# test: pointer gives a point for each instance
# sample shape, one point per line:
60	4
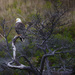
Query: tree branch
21	66
43	60
27	61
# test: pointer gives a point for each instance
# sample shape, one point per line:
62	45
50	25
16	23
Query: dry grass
19	8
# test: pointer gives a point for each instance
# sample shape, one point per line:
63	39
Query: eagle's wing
20	29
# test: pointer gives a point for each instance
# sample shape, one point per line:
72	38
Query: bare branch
2	36
43	60
9	31
21	66
27	60
13	45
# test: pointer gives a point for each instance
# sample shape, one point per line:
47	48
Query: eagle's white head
18	20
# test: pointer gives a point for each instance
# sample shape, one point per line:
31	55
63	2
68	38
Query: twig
2	36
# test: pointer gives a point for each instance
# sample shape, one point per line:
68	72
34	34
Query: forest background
28	10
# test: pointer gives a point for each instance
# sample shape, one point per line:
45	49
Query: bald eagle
20	28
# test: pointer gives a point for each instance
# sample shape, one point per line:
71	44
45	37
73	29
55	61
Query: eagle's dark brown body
20	29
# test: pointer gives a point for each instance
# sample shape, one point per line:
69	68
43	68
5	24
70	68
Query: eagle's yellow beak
16	20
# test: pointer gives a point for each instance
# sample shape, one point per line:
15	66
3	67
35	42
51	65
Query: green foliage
53	60
72	29
15	4
38	55
58	1
19	11
22	61
1	29
1	19
48	4
11	35
2	53
68	55
68	36
13	72
34	16
10	38
65	36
